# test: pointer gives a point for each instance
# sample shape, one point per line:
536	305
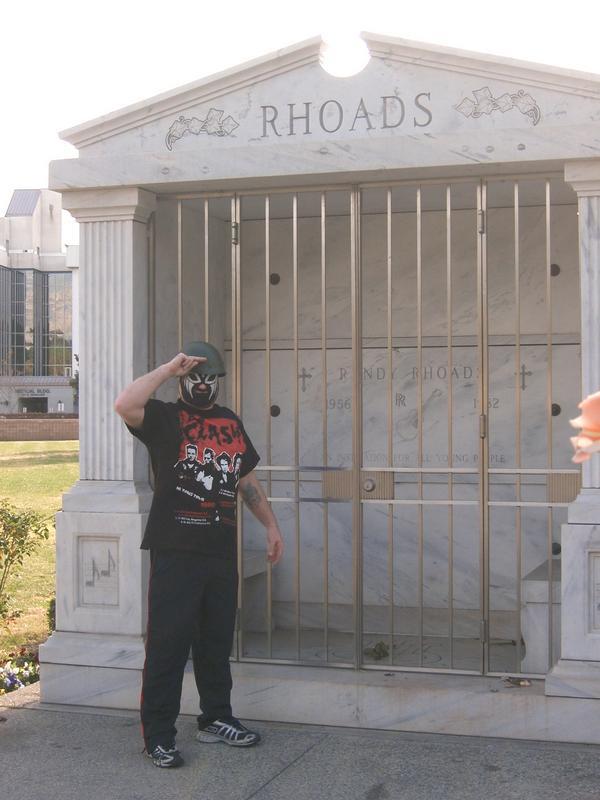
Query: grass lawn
34	475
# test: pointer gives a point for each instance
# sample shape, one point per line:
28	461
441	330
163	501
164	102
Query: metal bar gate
405	358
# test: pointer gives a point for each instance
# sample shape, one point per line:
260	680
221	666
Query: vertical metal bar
450	415
420	415
179	276
390	420
206	273
357	421
324	398
549	389
483	441
268	428
233	256
518	463
236	399
237	249
550	589
296	409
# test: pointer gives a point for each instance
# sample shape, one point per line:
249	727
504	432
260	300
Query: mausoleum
402	270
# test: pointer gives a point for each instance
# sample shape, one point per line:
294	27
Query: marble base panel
91	669
401	701
580	636
585	510
102	575
90	686
574	679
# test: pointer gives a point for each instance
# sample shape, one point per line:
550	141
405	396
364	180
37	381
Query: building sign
330	116
306	118
406	112
23	393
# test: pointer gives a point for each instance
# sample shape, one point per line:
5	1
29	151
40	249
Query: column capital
100	205
584	176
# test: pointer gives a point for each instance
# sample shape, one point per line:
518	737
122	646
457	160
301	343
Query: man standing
192	595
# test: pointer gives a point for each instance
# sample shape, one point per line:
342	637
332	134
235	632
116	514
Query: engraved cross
303	376
524	373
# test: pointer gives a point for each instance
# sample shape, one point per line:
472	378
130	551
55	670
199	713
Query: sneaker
230	730
167	756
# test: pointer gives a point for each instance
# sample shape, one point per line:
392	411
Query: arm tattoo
251	496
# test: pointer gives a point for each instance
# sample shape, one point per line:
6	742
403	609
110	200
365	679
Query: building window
35	323
18	323
57	356
5	321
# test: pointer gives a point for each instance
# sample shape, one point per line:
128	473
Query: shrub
21	531
21	669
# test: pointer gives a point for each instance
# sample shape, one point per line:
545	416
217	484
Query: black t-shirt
197	459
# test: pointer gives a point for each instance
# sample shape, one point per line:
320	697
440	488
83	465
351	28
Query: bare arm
257	502
130	403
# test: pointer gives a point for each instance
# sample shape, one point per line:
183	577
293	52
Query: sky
66	62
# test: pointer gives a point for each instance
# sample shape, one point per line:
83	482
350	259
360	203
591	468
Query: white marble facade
415	114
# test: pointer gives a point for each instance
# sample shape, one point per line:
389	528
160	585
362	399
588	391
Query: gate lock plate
375	485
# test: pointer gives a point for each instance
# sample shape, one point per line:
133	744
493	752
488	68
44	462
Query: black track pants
192	601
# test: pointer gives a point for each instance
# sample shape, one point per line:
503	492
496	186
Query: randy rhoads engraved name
330	116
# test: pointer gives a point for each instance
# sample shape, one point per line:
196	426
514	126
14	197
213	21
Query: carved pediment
413	106
406	89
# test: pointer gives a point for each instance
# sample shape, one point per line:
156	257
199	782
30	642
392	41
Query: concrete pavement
55	753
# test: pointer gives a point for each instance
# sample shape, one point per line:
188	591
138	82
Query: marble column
96	652
577	674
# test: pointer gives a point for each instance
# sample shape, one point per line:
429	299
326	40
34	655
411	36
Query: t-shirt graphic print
211	454
197	459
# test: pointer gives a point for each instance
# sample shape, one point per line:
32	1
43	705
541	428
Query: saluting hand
130	404
182	364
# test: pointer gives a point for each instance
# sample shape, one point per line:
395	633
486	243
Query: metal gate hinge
483	631
483	426
235	233
481	221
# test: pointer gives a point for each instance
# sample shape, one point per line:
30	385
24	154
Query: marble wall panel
501	271
431	375
465	453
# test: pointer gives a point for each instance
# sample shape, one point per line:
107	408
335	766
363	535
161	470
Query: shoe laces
232	721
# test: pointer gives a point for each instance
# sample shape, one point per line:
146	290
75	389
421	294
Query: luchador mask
199	390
